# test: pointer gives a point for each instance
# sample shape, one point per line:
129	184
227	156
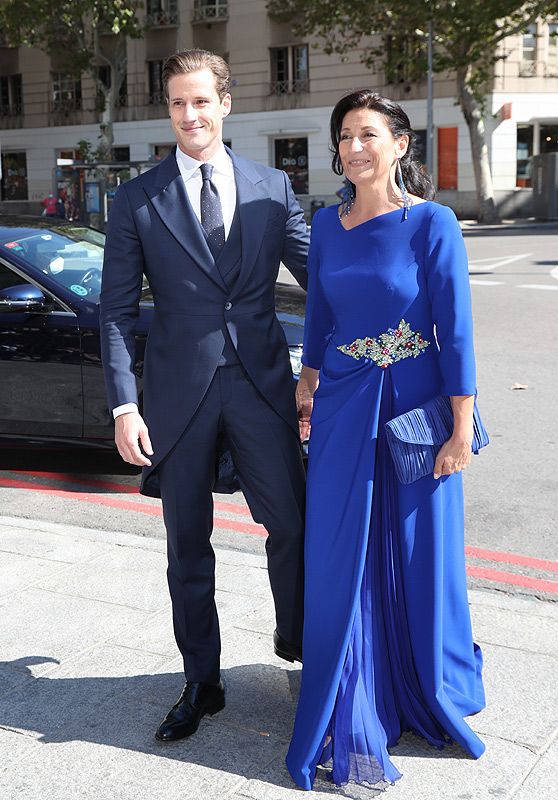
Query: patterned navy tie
211	212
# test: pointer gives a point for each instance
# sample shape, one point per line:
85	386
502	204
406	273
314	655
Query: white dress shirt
223	180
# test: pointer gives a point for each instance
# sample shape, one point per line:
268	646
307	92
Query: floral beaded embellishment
389	347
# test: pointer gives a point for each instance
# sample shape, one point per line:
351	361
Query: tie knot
206	171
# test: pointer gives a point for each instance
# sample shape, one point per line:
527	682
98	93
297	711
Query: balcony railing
528	69
301	86
163	19
156	99
11	110
65	105
217	11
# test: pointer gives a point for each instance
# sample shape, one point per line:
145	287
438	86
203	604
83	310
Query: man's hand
305	389
129	432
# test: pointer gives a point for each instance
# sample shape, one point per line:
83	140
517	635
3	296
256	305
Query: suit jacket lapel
170	200
253	207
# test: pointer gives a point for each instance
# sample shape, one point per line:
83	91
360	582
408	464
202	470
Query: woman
387	638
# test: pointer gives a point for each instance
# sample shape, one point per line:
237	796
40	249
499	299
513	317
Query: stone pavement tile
246	580
14	747
261	688
510	628
155	635
260	619
135	578
428	774
17	572
35	542
40	628
522	696
542	783
530	606
237	558
200	769
68	703
233	607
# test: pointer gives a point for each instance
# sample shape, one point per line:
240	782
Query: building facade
283	92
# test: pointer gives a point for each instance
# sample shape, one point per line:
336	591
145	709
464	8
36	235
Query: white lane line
494	263
554	273
476	282
537	286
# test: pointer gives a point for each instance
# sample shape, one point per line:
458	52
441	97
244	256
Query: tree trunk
473	113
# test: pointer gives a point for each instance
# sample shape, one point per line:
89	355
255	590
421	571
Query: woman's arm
455	454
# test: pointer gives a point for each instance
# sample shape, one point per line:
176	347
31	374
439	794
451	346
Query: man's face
197	113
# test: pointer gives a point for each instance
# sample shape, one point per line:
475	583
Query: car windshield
71	255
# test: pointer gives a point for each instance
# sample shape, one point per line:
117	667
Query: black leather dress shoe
286	650
196	700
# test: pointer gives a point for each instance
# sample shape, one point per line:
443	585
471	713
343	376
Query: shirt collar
187	165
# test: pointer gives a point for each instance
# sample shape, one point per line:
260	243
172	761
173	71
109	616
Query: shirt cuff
124	409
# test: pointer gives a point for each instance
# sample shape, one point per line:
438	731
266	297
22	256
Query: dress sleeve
318	325
450	297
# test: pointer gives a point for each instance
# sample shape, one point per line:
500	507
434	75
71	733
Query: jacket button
228	305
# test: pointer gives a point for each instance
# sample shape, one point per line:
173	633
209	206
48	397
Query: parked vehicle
51	382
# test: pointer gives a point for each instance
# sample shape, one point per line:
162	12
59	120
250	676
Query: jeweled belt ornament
389	347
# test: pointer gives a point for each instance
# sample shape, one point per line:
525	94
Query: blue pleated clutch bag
415	438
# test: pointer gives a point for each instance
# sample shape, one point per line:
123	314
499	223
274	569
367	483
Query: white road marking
554	273
485	283
494	263
538	286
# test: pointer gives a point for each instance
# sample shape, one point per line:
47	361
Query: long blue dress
387	641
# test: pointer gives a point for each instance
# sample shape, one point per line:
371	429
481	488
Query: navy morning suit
216	366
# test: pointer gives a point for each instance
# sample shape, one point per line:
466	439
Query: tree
85	36
467	42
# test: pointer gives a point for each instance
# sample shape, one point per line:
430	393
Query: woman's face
367	147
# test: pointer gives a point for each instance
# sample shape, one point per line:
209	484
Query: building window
528	64
404	60
11	96
289	69
210	11
66	92
104	75
552	52
14	176
155	76
291	155
162	13
524	153
548	141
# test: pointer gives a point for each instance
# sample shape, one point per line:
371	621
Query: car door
40	368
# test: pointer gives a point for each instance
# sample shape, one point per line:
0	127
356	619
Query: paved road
511	488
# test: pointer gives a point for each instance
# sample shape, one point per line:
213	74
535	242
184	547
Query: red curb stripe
122	488
258	530
512	558
512	578
129	505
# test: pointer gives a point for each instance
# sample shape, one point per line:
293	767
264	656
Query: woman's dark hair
416	179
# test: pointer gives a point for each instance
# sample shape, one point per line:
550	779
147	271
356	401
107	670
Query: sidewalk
90	666
522	224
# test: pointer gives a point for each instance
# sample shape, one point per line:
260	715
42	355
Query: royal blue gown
387	641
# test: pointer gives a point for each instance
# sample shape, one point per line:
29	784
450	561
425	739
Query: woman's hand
307	385
454	456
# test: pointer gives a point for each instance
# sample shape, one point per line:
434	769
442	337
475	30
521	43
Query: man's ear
226	104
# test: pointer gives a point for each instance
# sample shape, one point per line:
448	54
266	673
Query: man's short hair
186	61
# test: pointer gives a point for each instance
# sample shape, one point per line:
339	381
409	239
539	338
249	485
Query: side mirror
24	298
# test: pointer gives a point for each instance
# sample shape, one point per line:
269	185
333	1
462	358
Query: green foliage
466	32
70	29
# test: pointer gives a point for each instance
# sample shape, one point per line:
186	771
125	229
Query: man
209	230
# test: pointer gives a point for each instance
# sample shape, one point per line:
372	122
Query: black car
51	382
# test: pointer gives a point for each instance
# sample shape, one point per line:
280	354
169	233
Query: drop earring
407	203
347	198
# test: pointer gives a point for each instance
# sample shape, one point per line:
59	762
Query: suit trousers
267	456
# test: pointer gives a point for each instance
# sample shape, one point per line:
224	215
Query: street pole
430	107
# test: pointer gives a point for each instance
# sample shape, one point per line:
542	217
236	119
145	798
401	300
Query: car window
9	278
70	255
